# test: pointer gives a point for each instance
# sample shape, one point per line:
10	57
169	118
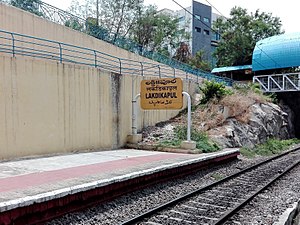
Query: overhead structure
280	51
278	82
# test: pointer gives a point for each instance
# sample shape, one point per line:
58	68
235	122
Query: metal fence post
174	72
95	54
13	44
120	65
159	71
60	53
142	69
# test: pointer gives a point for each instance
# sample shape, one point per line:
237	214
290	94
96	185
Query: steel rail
230	213
207	187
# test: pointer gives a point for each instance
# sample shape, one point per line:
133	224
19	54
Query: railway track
218	202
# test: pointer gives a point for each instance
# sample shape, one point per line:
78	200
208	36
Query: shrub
202	141
270	147
213	90
254	88
247	87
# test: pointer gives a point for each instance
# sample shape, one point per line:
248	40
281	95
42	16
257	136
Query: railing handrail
278	74
61	46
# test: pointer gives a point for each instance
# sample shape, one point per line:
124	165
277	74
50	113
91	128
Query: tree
158	31
86	9
199	62
114	15
183	53
131	19
28	5
239	34
119	16
74	24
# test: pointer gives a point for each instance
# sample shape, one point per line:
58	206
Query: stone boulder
265	120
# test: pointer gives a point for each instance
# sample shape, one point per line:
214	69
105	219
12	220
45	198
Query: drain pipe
134	114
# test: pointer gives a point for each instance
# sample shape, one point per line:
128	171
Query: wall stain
116	80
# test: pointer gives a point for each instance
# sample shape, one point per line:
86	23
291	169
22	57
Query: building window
206	32
197	17
216	36
205	19
198	29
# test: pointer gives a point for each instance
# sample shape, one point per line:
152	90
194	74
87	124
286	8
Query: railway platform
37	189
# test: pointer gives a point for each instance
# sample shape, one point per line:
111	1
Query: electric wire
217	32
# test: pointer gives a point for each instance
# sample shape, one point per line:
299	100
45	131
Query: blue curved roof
280	51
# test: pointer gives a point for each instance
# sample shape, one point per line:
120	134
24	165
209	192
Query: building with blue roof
270	55
277	52
239	73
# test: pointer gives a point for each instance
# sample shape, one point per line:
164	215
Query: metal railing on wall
16	44
64	18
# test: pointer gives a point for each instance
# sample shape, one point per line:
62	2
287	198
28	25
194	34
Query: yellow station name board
161	93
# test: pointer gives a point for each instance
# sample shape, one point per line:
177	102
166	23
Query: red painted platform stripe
35	179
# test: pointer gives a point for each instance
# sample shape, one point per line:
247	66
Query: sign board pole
188	138
161	94
188	144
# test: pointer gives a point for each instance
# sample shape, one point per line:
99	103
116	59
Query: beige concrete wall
48	107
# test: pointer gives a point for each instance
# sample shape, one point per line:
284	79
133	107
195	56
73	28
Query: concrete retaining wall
48	107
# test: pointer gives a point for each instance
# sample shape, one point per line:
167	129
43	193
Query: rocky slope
235	121
266	120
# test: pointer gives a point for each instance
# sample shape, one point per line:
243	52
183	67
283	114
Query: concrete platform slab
31	181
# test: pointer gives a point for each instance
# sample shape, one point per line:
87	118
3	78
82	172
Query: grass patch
202	141
217	176
247	152
270	147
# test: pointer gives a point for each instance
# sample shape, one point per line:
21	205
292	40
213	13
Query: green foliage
157	31
27	5
74	24
240	33
270	147
202	141
245	88
247	152
273	97
198	62
213	90
116	16
132	19
274	146
217	176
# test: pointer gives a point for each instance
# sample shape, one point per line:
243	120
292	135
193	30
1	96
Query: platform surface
24	182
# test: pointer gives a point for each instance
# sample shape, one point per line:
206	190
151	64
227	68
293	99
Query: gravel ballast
264	209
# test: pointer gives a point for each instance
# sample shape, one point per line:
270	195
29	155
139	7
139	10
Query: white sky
287	10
